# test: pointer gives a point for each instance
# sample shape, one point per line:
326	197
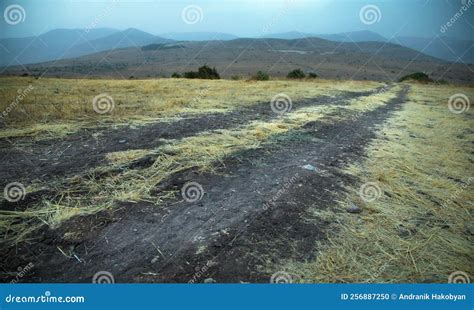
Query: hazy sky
243	17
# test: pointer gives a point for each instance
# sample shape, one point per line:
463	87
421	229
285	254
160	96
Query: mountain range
132	53
356	36
69	43
242	58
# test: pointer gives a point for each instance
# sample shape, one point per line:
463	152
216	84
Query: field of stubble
175	180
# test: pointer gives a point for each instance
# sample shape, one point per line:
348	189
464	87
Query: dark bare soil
25	160
254	213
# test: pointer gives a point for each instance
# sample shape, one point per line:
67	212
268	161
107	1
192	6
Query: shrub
191	75
176	75
261	76
235	77
203	72
296	74
417	76
312	75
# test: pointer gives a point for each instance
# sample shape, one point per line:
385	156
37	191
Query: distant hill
67	43
48	46
198	36
290	35
244	57
446	48
356	36
450	49
121	39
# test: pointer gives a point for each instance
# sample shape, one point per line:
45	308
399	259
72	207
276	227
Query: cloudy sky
248	18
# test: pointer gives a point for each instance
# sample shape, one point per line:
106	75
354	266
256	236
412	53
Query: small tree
417	76
206	72
261	76
191	75
203	72
296	74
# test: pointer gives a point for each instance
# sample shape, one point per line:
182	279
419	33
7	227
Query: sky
244	18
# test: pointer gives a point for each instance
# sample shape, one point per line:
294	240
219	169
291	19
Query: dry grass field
61	106
357	182
420	226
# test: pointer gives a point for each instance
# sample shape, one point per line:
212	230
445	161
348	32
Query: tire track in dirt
25	161
229	226
83	150
281	230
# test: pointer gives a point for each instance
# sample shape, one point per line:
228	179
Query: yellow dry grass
420	228
204	152
126	156
60	106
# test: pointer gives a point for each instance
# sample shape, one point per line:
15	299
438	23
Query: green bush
312	75
296	74
261	76
203	72
176	75
207	73
191	75
417	76
235	77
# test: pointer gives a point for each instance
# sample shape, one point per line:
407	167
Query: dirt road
254	211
